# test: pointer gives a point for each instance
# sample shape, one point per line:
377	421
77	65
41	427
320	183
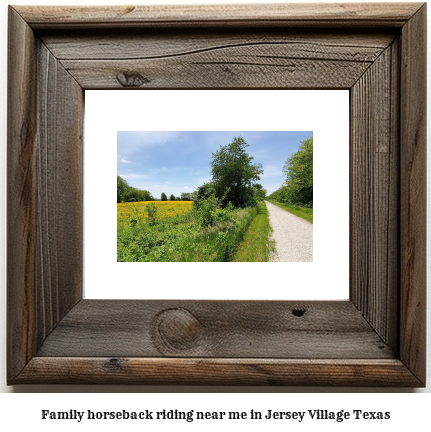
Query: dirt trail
293	236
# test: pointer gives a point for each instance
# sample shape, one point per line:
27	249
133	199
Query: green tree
299	175
142	195
279	195
259	192
163	197
127	193
122	189
204	192
172	197
186	196
135	194
234	174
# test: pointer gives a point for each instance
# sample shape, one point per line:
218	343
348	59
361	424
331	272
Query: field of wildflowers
139	210
175	231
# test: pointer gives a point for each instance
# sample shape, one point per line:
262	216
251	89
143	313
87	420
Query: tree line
127	193
298	187
185	196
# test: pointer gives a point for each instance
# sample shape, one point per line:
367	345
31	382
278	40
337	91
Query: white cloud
134	176
121	159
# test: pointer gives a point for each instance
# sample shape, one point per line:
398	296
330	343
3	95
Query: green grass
257	245
182	238
302	212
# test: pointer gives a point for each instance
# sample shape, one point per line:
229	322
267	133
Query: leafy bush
209	211
152	213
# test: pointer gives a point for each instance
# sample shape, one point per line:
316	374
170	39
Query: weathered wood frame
377	338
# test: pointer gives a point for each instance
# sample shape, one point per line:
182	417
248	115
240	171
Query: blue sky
176	162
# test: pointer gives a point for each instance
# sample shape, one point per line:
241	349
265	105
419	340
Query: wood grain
140	44
241	329
193	59
300	15
59	165
217	371
44	193
413	194
247	66
374	195
21	194
392	305
375	50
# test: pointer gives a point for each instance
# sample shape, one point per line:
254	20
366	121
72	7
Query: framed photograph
376	337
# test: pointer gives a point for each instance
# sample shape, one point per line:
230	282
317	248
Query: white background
23	410
326	113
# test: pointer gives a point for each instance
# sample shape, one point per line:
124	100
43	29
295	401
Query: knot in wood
131	79
115	363
178	328
298	312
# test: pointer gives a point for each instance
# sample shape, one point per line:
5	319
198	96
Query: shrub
152	213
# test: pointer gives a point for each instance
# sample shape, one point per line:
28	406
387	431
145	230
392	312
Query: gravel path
293	236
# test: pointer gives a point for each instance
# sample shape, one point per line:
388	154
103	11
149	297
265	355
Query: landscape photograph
202	196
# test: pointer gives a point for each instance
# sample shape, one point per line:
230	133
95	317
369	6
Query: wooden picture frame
376	338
